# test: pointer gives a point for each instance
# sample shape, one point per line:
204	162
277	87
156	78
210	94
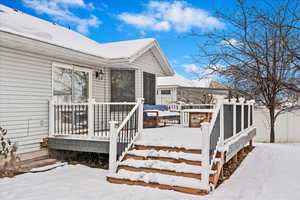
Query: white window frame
77	68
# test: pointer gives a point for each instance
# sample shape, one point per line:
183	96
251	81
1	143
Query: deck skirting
94	146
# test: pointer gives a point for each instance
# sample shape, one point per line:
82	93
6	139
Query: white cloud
231	42
192	68
177	15
186	57
60	11
201	72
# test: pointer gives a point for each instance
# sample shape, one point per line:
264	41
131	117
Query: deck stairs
163	167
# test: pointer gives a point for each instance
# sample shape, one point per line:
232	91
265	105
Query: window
165	92
122	85
149	88
70	84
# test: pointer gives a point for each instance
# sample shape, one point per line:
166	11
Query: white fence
286	126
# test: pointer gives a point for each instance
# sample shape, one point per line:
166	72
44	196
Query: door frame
77	68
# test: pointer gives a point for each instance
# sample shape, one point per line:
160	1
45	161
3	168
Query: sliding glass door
71	84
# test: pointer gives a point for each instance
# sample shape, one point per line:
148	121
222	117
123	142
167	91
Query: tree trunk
272	124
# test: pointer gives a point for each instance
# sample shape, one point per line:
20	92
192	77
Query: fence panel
228	121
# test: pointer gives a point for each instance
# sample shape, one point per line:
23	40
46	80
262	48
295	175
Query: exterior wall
148	63
25	89
145	63
102	88
286	126
166	98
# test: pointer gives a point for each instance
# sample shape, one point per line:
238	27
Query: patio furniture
155	114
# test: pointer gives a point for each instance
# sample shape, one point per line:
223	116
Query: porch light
99	74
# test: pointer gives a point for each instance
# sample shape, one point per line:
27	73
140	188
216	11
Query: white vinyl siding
101	88
25	88
145	63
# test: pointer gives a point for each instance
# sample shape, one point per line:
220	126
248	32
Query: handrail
123	136
128	117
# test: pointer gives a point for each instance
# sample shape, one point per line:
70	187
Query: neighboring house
40	60
177	88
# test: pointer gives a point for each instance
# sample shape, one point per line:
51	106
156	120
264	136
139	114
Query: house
172	89
85	96
40	60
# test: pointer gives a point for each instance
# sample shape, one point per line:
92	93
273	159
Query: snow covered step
181	184
166	148
169	156
157	166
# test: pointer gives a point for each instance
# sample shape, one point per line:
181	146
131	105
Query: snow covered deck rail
87	119
181	106
230	119
232	123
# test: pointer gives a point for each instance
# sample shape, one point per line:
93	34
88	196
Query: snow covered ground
270	172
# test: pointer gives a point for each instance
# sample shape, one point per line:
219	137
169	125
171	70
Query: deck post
249	110
91	117
205	154
140	102
51	116
234	116
113	137
242	113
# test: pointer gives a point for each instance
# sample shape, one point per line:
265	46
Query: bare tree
258	52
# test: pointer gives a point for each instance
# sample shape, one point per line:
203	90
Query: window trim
73	67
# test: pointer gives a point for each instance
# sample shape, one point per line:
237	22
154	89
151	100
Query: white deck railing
86	119
230	120
120	123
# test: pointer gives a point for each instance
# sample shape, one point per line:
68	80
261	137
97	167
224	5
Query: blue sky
170	22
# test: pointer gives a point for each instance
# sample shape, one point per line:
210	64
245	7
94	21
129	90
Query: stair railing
123	136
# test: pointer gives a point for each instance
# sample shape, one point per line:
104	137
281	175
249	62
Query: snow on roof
26	25
124	49
178	80
19	23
